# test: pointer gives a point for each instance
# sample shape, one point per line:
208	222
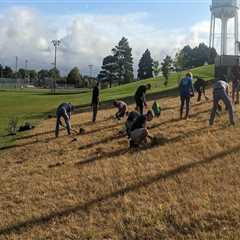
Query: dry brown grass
184	187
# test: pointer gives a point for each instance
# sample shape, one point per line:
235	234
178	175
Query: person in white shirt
220	92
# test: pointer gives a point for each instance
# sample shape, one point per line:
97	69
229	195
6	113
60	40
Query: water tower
224	10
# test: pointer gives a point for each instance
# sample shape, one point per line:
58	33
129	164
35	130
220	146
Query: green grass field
34	105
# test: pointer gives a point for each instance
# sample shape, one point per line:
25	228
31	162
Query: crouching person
132	116
139	132
63	111
122	109
220	92
156	109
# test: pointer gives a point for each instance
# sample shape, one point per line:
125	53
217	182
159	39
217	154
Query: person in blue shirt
186	92
63	111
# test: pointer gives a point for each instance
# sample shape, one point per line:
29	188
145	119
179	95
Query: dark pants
217	96
140	105
199	95
185	99
58	122
121	113
95	110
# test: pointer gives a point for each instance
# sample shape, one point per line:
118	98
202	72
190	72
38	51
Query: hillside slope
35	104
186	186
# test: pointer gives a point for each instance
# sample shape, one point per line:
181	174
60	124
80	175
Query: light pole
16	71
56	44
26	71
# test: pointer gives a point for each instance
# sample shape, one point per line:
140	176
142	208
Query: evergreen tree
74	77
166	68
194	57
145	66
109	70
123	53
8	72
156	68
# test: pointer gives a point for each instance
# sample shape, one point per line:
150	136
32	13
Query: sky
88	30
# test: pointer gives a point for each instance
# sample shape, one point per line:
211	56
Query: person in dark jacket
235	82
139	132
132	116
140	97
200	87
63	111
95	101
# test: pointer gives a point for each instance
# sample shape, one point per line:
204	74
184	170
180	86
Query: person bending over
220	92
140	97
63	111
200	87
122	109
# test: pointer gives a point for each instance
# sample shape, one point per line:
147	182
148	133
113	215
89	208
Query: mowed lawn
34	105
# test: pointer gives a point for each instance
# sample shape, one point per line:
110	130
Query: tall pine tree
123	53
145	66
109	70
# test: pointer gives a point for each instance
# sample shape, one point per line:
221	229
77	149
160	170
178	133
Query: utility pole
90	70
16	69
56	44
26	72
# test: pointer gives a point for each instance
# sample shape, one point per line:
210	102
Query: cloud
86	38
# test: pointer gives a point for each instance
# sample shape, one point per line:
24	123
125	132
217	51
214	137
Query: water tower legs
212	31
224	36
236	33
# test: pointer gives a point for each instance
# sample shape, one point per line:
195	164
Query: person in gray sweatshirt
220	92
63	111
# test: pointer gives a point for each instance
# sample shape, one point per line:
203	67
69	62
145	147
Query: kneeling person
156	109
132	116
139	132
64	111
122	109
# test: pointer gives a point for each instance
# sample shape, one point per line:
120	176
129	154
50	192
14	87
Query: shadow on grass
157	142
51	138
146	182
27	144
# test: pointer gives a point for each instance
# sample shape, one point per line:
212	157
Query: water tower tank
224	8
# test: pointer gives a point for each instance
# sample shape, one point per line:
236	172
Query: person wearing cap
140	97
63	111
122	109
95	101
186	92
139	132
235	82
220	92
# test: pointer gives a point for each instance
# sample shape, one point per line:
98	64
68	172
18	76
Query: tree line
117	68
